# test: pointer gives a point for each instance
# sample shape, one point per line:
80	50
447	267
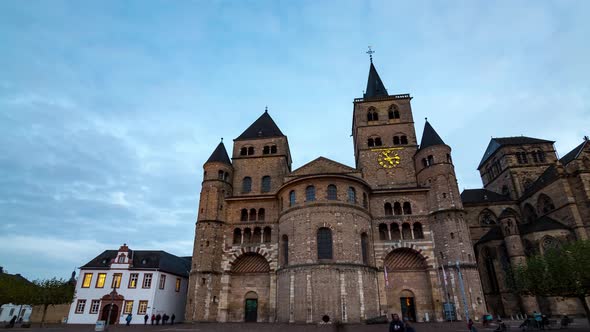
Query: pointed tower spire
375	87
263	127
219	155
430	137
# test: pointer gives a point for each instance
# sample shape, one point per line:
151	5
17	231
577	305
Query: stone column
273	297
223	300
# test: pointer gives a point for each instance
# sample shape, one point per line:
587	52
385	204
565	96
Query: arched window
285	249
220	175
244	215
243	151
407	208
393	112
406	231
383	233
266	149
404	140
378	141
261	214
395	234
332	192
351	195
370	142
522	158
252	215
541	156
545	204
430	160
549	243
310	194
491	270
365	201
397	208
266	234
372	114
388	209
257	236
247	235
395	140
273	149
365	248
247	184
487	218
265	185
292	198
237	236
424	162
250	150
418	232
225	176
324	243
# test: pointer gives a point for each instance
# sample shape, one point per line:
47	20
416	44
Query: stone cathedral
330	242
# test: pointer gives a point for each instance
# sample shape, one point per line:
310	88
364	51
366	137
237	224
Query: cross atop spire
370	53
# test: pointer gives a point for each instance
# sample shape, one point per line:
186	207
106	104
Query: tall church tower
384	136
205	275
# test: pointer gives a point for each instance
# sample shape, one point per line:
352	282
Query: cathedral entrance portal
408	308
251	310
114	313
408	290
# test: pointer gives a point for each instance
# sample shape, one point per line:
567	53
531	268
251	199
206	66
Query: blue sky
109	109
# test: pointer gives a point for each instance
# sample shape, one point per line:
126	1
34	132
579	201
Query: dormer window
121	259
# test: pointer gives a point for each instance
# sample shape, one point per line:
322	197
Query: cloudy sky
108	109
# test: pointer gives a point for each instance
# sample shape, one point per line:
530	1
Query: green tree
15	289
559	272
51	292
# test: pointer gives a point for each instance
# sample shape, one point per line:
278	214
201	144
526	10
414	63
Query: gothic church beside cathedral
332	242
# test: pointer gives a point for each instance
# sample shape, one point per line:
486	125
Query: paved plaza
579	325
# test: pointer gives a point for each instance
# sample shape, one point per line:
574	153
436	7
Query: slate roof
145	259
482	196
548	176
375	87
263	127
544	223
430	137
498	142
495	233
573	154
219	155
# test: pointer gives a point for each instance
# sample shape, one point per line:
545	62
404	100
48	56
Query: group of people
396	325
156	318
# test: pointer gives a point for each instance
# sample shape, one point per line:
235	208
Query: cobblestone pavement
578	326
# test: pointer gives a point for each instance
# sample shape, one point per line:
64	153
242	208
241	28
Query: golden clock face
388	158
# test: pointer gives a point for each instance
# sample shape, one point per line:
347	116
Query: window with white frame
147	280
80	306
128	307
94	306
142	308
162	281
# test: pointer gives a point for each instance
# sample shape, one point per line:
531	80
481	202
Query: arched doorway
251	307
114	313
409	290
408	305
249	299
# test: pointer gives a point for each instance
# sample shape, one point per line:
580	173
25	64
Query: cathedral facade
330	242
532	201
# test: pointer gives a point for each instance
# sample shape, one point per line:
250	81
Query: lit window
80	306
128	307
102	277
87	280
116	280
147	280
162	281
133	280
95	305
177	287
142	308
